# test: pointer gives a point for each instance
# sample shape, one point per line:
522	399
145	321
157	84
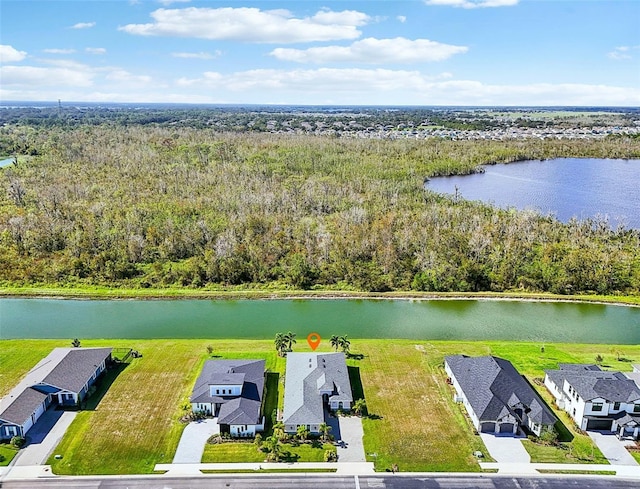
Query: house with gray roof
597	399
62	378
497	398
314	381
232	391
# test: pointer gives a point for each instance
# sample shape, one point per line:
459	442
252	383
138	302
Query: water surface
261	319
566	187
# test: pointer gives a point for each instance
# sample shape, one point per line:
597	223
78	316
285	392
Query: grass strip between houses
413	420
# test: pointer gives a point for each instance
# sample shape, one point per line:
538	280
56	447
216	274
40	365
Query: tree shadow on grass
270	402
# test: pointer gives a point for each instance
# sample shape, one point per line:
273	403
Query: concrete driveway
194	436
44	436
612	448
350	447
506	448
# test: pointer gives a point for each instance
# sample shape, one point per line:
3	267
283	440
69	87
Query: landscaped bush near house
18	441
330	456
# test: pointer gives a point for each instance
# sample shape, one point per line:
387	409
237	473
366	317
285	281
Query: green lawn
248	452
8	452
413	420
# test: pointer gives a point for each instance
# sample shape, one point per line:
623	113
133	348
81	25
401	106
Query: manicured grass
579	451
248	452
412	421
8	452
265	471
635	454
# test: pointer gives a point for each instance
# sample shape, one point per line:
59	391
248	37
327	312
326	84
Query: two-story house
596	399
232	391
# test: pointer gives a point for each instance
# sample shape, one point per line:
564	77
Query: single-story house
314	381
497	398
596	399
232	391
63	378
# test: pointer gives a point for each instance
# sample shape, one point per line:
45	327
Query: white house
313	381
63	378
497	398
596	399
232	391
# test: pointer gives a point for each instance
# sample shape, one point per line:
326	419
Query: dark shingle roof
494	387
76	368
19	411
234	410
591	382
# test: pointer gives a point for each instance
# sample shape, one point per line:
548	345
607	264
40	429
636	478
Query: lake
7	162
566	187
262	319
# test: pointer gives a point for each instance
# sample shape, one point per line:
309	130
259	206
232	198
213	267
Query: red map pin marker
314	340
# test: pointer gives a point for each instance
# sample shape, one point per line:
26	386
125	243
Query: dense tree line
148	206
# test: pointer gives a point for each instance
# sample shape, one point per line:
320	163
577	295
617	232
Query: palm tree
75	343
324	429
302	432
281	344
272	446
290	338
335	342
359	406
344	343
278	431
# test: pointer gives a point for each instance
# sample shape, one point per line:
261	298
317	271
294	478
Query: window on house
596	406
636	408
616	406
574	411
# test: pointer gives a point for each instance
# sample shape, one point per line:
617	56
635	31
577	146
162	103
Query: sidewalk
626	471
341	468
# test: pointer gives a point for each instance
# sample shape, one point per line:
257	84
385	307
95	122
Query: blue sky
375	52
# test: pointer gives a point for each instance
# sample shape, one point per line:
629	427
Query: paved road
309	481
193	439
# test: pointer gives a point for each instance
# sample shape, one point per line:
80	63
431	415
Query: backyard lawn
412	421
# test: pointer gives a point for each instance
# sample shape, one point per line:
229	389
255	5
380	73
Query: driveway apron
350	447
44	436
194	437
506	449
612	448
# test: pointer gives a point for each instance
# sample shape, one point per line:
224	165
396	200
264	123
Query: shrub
18	441
2	458
330	456
258	440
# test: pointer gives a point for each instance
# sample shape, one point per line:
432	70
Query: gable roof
494	388
234	410
591	382
309	374
23	406
76	368
63	368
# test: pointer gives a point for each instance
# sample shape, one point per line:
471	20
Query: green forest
150	206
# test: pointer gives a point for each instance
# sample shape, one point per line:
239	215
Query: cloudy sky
374	52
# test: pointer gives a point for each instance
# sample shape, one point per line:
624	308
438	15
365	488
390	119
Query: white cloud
473	3
200	55
95	50
59	51
83	25
9	54
401	18
119	75
251	25
26	77
394	87
373	51
623	52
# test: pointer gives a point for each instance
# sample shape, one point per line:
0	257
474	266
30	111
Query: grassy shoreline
232	294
